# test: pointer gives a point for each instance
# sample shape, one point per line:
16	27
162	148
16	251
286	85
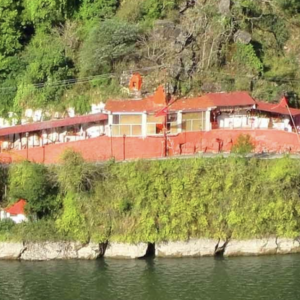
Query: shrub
34	183
6	225
243	144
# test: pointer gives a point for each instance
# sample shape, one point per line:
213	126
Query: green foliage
34	183
45	42
246	56
291	6
10	29
243	144
91	9
46	63
48	12
277	26
108	42
150	201
72	222
6	225
3	182
74	174
38	231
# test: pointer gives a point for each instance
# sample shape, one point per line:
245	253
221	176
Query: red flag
283	103
162	112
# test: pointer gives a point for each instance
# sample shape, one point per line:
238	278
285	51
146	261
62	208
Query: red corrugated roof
186	104
18	208
149	104
276	109
231	99
146	104
53	124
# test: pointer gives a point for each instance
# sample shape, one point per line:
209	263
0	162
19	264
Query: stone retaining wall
191	248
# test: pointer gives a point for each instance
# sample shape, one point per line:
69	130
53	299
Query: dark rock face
243	37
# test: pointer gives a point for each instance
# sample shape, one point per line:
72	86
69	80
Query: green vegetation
152	201
243	145
57	53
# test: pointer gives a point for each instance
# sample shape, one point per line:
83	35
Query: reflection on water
272	277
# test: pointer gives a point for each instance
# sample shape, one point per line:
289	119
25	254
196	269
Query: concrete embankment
191	248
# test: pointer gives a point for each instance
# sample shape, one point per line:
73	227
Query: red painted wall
103	148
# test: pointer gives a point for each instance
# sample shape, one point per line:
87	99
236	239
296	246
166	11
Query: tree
34	183
44	13
10	27
90	9
46	63
109	42
291	6
75	175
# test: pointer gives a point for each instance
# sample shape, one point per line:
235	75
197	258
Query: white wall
16	218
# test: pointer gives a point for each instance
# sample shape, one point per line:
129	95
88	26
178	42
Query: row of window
131	125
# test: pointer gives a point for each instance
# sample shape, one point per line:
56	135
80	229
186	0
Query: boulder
190	248
165	30
243	37
50	251
287	246
251	247
89	251
123	250
11	250
224	7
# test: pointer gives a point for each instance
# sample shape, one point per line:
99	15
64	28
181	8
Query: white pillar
208	126
109	125
179	121
144	124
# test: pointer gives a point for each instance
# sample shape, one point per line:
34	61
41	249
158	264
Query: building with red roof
15	212
152	120
231	100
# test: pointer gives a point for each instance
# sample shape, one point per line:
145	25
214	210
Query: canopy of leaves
33	182
108	42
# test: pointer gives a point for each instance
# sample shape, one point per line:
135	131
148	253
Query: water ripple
247	278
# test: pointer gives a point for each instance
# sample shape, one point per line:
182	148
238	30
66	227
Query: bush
39	231
34	183
243	145
6	225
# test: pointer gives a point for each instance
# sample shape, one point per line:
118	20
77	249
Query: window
155	124
194	121
172	124
131	119
130	125
116	119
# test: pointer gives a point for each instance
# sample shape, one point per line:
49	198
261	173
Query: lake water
255	278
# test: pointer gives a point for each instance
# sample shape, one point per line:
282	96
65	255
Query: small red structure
136	82
16	212
17	208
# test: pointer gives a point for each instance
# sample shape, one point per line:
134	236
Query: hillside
57	53
153	201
